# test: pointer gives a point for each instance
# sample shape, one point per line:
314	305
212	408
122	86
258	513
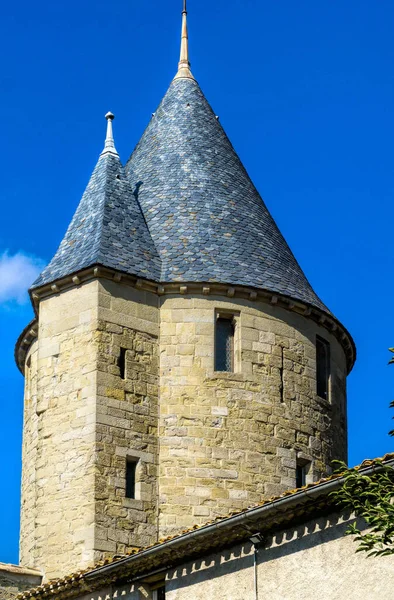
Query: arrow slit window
131	470
323	369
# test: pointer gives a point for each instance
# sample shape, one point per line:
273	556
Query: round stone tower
180	366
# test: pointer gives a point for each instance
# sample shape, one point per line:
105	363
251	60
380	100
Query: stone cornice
322	318
23	344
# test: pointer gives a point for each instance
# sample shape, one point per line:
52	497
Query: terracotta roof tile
53	587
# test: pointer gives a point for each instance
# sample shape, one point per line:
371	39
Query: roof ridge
104	155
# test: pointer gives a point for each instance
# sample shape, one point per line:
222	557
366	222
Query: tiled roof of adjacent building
268	517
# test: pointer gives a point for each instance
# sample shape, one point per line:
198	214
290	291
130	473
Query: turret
91	393
180	366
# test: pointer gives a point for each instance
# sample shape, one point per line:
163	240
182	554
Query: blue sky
305	92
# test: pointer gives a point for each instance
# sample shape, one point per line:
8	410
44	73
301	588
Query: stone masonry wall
228	440
29	459
57	524
82	421
206	443
14	579
127	419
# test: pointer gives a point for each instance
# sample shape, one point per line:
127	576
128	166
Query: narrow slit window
322	368
131	468
122	363
282	379
224	344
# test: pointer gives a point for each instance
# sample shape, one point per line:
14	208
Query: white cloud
17	273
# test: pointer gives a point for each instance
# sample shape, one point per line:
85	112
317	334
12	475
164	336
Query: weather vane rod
184	62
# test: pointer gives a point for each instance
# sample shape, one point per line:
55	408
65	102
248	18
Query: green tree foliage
391	362
371	498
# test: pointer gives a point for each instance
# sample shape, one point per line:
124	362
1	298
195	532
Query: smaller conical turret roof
108	227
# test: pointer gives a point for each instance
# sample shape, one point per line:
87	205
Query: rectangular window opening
300	476
302	470
224	343
122	363
322	368
160	593
131	468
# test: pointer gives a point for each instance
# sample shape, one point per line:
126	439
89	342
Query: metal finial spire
109	147
184	63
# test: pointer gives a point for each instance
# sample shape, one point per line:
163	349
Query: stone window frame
306	462
134	458
235	317
122	362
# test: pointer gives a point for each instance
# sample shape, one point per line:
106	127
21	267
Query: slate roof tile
108	229
183	210
204	214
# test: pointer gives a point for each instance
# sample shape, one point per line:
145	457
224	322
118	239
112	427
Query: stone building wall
57	531
228	440
127	419
83	421
206	443
14	579
29	458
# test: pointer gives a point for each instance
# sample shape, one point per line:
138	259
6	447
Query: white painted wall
311	562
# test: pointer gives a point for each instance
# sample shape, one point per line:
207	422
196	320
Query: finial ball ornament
109	116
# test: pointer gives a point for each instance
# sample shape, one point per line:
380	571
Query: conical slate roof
206	218
183	210
107	229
